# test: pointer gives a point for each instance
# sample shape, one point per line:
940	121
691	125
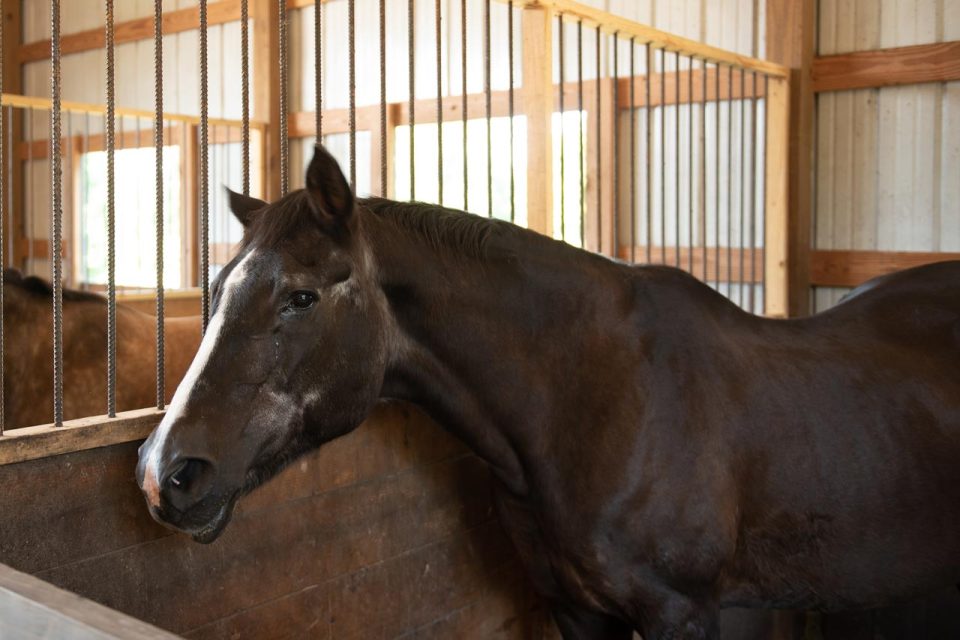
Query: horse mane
40	288
444	229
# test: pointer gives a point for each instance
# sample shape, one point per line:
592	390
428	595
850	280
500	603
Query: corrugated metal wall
888	160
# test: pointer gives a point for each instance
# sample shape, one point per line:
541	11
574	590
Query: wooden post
538	106
392	117
777	224
265	52
791	31
189	179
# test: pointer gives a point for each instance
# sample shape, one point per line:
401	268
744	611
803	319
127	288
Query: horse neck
482	342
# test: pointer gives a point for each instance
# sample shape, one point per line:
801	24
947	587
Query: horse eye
302	299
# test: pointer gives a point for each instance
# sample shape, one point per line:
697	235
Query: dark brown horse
658	453
28	353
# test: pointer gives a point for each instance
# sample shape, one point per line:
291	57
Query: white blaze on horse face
211	339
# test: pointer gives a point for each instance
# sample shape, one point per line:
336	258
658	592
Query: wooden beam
936	62
777	226
31	443
716	270
266	96
537	90
853	268
30	606
573	11
791	36
133	30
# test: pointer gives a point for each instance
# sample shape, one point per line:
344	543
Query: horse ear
330	195
243	207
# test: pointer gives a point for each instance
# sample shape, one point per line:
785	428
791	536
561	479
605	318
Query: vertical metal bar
648	101
703	170
111	219
690	166
716	186
487	104
513	186
582	170
743	179
437	16
412	93
463	98
663	156
633	150
56	184
158	159
352	64
676	126
244	94
563	182
284	94
599	152
318	67
9	177
766	122
30	205
3	211
730	180
383	99
204	146
615	222
753	196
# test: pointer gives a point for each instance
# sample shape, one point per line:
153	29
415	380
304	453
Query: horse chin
212	530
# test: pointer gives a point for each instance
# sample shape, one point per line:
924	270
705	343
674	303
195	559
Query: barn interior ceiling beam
936	62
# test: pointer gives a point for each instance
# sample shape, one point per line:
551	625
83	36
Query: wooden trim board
842	268
937	62
32	608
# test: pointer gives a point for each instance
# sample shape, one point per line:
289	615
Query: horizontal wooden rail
30	443
841	268
32	608
937	62
302	124
729	261
34	102
609	23
133	30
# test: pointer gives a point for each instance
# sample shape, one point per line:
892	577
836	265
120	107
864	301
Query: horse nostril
185	474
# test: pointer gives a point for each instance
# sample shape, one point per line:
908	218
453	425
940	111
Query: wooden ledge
31	443
32	608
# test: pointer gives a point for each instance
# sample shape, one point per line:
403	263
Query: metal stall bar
158	159
411	93
463	98
439	42
716	185
582	162
383	100
753	196
284	93
244	95
599	150
703	171
204	136
111	218
560	60
487	103
690	167
649	148
633	151
676	144
3	211
663	156
615	218
352	64
318	67
511	105
743	186
730	180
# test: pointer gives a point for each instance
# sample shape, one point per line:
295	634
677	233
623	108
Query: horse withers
658	453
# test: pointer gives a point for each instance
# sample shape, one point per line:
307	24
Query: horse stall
648	131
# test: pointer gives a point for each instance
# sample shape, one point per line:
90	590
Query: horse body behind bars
658	453
28	353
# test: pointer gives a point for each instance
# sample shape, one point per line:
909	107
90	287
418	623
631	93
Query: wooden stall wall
887	159
387	532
